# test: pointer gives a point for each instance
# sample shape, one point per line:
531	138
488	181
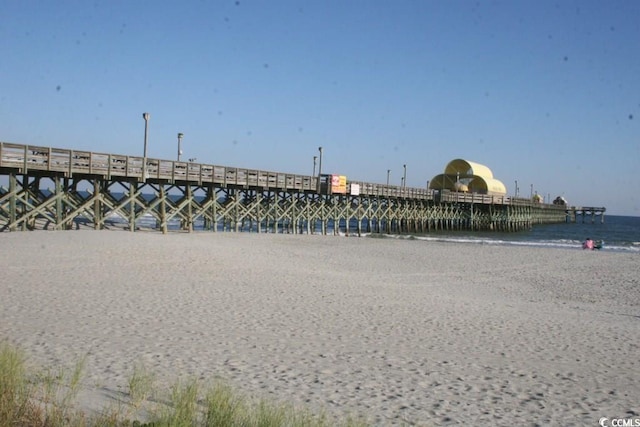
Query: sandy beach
392	330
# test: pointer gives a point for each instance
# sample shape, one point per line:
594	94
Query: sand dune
392	330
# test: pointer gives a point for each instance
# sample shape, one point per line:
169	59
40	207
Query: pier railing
27	158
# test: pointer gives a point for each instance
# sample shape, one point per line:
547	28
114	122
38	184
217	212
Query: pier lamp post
531	196
315	159
319	168
404	176
516	189
180	135
146	117
388	173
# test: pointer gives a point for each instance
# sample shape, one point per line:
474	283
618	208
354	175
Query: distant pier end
574	212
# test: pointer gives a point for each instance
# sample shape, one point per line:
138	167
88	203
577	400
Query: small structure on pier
560	201
464	176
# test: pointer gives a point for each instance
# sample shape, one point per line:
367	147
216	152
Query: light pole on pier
404	176
146	117
180	135
388	173
319	169
315	159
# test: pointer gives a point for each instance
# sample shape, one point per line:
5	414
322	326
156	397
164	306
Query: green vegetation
46	399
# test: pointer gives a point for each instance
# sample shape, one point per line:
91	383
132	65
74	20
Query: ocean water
619	233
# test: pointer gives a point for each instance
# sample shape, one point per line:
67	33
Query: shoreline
390	329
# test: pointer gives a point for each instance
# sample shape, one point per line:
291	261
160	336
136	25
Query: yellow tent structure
467	169
443	182
463	175
489	186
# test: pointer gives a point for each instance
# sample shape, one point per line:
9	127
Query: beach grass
47	398
141	385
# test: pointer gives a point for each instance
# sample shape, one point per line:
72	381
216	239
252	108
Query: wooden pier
56	189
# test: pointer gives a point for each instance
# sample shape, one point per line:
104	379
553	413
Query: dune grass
47	399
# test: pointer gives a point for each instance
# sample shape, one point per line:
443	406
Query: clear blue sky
545	93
